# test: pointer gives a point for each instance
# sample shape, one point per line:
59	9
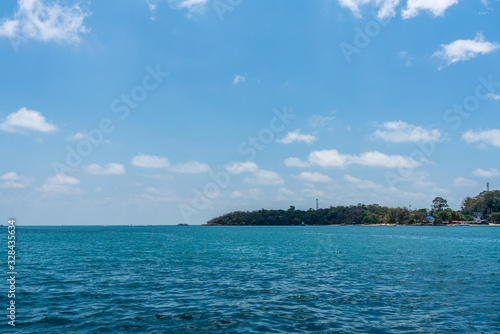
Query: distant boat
182	224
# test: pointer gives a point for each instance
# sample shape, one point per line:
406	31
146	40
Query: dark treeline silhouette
487	203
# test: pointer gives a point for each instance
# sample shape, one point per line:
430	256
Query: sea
254	279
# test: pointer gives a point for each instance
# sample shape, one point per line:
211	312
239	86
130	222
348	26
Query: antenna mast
317	205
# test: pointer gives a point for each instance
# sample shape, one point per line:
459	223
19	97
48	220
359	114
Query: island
483	209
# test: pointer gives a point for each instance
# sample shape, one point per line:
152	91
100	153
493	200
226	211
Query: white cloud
9	176
400	132
486	173
362	184
25	119
150	161
265	177
296	136
494	96
192	167
314	193
61	183
242	167
490	137
377	159
317	121
461	182
239	79
76	137
192	6
314	177
328	158
387	7
295	162
14	181
332	158
109	169
435	7
153	161
45	21
465	49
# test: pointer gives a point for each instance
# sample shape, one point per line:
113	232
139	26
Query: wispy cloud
401	132
490	137
296	136
192	6
462	182
25	119
465	49
13	181
192	167
239	79
386	7
486	172
313	177
318	121
109	169
362	184
265	177
260	176
61	184
153	161
45	21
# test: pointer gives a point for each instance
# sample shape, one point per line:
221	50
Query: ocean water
312	279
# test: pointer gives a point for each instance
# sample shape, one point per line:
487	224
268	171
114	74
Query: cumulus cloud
296	136
332	158
192	167
490	137
45	21
238	79
150	161
109	169
25	119
295	162
61	183
462	182
465	49
486	172
314	177
435	7
387	8
401	132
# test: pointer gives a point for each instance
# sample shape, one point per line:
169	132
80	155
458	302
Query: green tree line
485	202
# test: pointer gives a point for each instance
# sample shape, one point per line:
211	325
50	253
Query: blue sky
161	112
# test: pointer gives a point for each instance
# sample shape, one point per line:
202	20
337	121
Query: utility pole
317	205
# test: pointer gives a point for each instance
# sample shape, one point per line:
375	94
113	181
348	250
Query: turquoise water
312	279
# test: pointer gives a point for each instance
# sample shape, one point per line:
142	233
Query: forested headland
485	207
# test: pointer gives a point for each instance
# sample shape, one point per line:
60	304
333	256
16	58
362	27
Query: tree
495	216
439	204
444	216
